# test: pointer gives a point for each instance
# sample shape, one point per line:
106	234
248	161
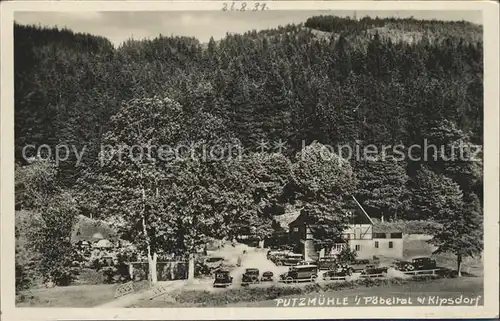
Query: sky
119	26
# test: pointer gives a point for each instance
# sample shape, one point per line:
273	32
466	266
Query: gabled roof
358	215
284	220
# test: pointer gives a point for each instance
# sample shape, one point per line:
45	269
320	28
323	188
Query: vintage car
307	262
277	256
327	263
419	263
267	276
359	265
338	270
251	276
292	259
300	273
424	263
286	258
374	270
213	263
222	279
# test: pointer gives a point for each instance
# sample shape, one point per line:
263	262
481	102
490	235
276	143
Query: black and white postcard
249	160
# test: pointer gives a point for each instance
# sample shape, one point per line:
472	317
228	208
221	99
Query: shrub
23	280
206	298
58	258
25	256
90	276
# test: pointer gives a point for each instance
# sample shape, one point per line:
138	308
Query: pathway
130	299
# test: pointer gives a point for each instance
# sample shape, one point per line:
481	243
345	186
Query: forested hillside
331	80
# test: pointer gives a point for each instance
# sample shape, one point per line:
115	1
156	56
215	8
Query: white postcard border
491	169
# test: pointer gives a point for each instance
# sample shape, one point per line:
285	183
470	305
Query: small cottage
359	236
88	232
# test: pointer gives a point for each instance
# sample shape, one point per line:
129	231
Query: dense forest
327	81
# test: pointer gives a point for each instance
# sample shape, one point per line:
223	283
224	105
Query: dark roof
358	215
87	229
284	220
406	227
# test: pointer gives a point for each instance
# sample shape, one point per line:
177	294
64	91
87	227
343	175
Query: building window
379	235
396	235
391	245
339	247
357	247
376	244
295	229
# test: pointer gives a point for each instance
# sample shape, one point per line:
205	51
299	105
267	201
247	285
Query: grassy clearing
74	296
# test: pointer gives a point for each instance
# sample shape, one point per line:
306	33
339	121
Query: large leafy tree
323	181
451	152
435	195
150	179
265	177
461	233
382	187
226	198
135	169
47	238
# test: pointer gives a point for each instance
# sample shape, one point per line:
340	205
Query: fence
420	272
165	271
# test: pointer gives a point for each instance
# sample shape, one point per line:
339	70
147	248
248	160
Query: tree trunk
459	262
172	270
153	275
382	218
191	267
152	256
131	270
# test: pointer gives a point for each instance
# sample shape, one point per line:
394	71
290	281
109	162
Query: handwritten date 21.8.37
244	6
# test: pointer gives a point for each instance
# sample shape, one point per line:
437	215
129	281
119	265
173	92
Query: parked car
285	258
300	273
273	254
292	259
338	270
213	262
267	276
308	262
372	269
359	265
327	263
222	279
424	263
250	276
419	263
